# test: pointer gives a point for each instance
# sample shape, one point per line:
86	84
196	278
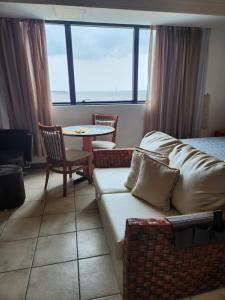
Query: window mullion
69	51
135	63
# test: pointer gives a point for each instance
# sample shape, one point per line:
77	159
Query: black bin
12	192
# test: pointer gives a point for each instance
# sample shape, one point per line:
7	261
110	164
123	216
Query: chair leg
89	170
64	183
47	176
70	172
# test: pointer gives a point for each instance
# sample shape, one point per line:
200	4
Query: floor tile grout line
103	297
22	239
13	270
78	269
28	282
53	234
54	263
94	256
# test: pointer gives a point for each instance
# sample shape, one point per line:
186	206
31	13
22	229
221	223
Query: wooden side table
220	132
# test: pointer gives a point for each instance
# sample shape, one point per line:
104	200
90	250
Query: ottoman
12	192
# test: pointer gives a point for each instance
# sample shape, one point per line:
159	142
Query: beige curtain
24	75
171	99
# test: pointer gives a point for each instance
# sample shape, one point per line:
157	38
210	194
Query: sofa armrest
154	269
115	158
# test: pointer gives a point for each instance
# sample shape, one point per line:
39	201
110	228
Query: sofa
16	147
139	235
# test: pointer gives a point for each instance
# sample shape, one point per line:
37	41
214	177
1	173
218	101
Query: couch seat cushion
159	142
103	145
201	184
116	208
110	180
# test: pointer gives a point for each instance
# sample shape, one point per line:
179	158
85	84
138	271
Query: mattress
214	146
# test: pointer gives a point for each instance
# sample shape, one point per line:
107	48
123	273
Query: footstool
12	192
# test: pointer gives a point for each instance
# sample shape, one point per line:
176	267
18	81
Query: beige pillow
136	162
201	186
155	182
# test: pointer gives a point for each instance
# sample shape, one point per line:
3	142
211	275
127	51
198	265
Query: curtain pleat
23	60
171	103
196	129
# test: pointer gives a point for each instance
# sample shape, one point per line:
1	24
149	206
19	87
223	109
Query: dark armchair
16	147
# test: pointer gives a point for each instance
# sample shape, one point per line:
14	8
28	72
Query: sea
96	96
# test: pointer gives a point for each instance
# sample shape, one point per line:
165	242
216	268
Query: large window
102	63
97	63
57	62
144	35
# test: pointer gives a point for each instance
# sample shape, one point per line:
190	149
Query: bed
214	146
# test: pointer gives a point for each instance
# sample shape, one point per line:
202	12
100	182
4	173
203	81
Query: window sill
99	103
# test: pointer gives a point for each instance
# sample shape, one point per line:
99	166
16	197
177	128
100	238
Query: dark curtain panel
171	103
24	75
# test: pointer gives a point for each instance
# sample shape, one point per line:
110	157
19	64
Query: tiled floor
54	247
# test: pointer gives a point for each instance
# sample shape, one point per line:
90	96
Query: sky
102	58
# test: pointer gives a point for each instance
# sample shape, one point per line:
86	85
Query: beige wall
130	124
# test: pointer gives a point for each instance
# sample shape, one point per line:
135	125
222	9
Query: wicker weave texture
155	270
114	158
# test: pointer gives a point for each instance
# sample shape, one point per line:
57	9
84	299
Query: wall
130	124
215	81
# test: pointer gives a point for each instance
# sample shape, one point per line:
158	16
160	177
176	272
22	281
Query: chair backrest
107	120
53	142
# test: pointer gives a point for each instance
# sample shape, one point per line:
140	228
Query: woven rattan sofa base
154	269
116	158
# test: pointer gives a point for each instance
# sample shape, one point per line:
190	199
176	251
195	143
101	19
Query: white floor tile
55	248
54	282
97	278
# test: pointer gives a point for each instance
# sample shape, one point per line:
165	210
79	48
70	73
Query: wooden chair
107	120
62	160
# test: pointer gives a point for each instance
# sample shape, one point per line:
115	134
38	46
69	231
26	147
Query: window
144	35
97	63
102	63
57	63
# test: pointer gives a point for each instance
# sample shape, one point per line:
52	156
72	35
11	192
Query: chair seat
103	145
76	154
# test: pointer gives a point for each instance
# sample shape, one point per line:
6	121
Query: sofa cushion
201	186
155	182
159	142
136	162
116	208
110	180
103	145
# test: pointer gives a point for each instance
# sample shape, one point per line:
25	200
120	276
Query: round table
87	132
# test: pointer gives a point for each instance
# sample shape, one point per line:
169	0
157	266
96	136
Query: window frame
70	61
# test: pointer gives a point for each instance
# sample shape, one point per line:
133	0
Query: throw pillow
136	162
155	182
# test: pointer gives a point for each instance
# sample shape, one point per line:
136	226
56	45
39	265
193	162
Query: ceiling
104	15
208	7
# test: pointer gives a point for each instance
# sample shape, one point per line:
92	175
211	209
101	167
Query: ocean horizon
93	96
